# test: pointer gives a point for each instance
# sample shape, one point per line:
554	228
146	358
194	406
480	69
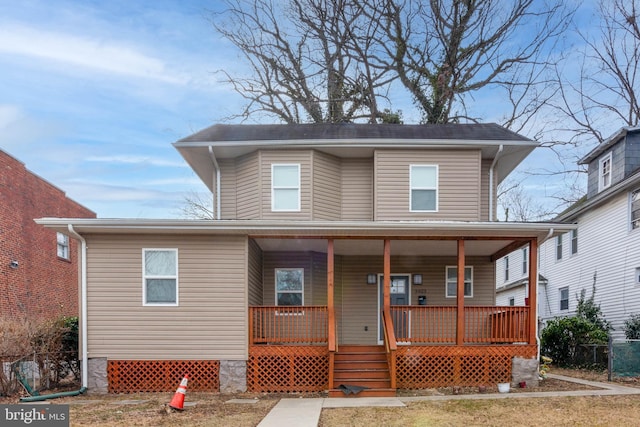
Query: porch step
364	366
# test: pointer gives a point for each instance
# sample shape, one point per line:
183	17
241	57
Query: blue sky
95	92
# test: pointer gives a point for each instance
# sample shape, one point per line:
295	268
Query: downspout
217	168
491	170
83	318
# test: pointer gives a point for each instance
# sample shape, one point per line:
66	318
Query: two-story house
38	267
341	256
604	251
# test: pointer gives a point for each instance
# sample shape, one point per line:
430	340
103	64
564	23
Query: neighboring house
605	248
38	267
353	255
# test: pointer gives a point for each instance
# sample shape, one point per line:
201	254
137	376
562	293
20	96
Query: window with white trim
63	245
635	209
604	172
525	260
424	188
574	242
290	286
160	276
564	298
285	188
512	301
559	247
452	281
506	268
637	275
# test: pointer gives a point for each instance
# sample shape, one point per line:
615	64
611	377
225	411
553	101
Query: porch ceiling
375	247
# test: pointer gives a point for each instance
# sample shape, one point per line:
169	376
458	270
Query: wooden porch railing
288	325
390	345
437	324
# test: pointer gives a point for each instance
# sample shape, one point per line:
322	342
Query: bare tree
604	97
310	60
517	204
444	51
197	206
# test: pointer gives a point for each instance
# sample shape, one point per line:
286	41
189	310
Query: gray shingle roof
281	132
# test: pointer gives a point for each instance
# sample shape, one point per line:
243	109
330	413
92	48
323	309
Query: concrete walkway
306	412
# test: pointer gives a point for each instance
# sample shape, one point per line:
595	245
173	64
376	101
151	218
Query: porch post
460	295
533	290
331	321
387	276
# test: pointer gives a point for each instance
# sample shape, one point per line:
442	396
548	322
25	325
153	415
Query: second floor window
63	245
452	281
574	242
559	247
285	188
564	298
604	174
635	209
424	188
290	286
525	260
506	268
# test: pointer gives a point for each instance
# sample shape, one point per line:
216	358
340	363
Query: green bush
632	327
562	337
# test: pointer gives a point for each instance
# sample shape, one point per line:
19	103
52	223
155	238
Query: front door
399	296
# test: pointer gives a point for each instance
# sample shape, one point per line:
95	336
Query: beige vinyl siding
357	189
458	184
484	191
303	158
326	187
255	274
228	189
248	187
210	321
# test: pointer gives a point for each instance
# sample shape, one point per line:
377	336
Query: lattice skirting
131	376
441	366
282	369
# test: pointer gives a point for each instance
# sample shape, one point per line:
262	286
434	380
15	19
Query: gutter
83	302
491	173
214	161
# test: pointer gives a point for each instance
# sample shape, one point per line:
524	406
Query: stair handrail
390	344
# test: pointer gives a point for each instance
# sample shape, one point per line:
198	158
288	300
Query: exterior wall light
371	279
417	279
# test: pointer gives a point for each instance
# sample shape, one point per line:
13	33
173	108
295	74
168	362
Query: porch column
460	295
533	290
330	292
387	276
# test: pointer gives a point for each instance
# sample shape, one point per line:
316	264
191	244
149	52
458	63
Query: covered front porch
426	319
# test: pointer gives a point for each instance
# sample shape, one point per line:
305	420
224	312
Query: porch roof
414	237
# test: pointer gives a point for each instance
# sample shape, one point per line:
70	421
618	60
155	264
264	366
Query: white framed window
289	286
423	194
634	209
604	172
512	301
564	298
506	268
452	281
559	247
285	187
160	276
525	260
574	242
637	275
63	245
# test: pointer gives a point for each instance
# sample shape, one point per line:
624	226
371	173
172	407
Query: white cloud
9	114
99	54
124	159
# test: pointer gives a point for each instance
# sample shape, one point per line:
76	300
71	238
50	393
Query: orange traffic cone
178	398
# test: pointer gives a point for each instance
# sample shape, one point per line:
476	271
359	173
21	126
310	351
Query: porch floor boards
362	366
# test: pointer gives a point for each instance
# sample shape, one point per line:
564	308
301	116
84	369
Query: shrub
562	337
632	327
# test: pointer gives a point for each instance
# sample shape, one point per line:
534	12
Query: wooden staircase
364	366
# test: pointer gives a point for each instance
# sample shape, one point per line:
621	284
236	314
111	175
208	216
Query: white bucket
504	387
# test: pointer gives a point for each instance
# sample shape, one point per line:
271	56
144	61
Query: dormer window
285	188
604	174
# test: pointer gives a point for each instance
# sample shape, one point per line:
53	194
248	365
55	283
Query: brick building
38	267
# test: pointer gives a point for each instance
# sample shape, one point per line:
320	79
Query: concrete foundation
524	370
233	376
97	376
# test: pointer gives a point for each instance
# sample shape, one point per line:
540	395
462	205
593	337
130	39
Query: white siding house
603	252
